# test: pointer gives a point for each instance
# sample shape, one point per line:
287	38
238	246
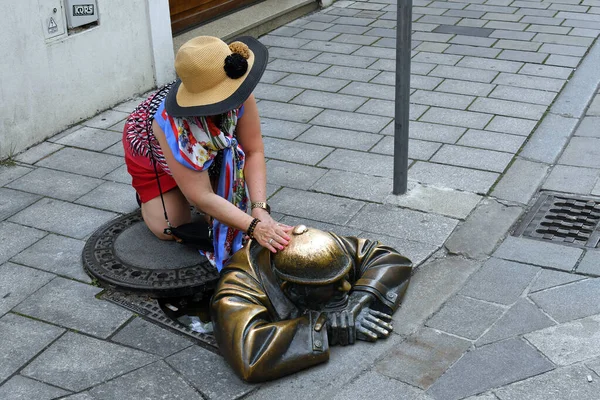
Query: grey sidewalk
504	102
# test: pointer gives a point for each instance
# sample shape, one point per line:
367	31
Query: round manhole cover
124	255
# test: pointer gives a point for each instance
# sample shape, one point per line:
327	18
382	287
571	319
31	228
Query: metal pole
403	49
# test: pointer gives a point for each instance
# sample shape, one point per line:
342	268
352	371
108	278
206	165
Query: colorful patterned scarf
195	142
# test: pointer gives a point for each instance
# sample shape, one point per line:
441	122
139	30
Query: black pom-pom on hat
236	66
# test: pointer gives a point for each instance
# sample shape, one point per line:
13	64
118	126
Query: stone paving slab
324	226
15	238
590	264
63	218
523	317
359	162
525	95
574	100
479	235
499	281
79	396
281	129
326	380
521	181
540	253
435	132
594	365
333	101
156	381
594	108
515	126
9	174
452	203
492	140
111	196
467	119
293	175
490	366
91	139
57	184
321	207
549	139
116	149
288	112
588	125
417	149
568	302
119	127
13	201
21	340
151	338
403	223
17	283
422	358
82	162
465	317
416	252
582	152
21	388
37	152
355	186
568	383
565	178
488	396
549	279
375	386
453	177
119	175
209	374
76	362
366	123
74	305
56	254
106	119
302	153
487	160
343	138
569	343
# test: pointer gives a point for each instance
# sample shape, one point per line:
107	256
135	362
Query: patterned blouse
198	143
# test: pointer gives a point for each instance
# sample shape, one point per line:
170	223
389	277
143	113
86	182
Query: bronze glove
357	321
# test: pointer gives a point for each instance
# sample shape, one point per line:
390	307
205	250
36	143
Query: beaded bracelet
250	231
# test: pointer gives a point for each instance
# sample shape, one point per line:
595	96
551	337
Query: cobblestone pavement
504	103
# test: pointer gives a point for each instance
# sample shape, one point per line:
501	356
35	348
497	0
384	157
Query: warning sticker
52	26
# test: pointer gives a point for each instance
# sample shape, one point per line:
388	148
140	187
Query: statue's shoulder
245	260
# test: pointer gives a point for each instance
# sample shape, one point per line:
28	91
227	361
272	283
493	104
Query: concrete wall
46	87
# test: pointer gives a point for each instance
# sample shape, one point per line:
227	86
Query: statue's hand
342	325
372	325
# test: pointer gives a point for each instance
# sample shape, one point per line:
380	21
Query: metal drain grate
570	220
149	308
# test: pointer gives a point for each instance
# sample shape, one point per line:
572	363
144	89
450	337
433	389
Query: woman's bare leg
178	211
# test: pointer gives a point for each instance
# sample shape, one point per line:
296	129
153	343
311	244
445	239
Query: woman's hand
270	234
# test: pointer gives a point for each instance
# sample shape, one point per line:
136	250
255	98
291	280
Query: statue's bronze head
313	268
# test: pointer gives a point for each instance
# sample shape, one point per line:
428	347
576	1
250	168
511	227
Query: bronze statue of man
275	314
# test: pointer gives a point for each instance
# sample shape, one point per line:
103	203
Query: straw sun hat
215	77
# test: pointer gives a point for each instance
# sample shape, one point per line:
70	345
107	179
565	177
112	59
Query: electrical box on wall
81	12
53	19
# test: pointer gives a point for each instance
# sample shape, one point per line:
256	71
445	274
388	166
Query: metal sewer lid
123	255
562	218
150	309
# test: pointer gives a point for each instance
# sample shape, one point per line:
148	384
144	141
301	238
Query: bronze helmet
313	257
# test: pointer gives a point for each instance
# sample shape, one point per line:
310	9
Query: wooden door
186	14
